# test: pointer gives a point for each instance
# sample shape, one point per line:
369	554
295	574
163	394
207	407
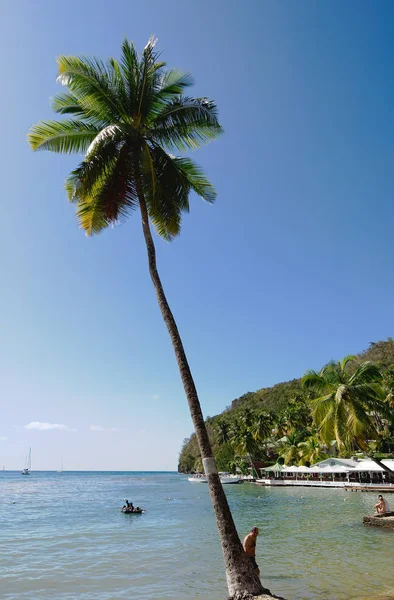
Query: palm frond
86	179
321	407
168	181
195	178
67	104
131	74
103	188
332	374
169	84
149	74
186	123
62	136
90	80
119	86
367	372
358	422
345	361
341	394
314	381
108	135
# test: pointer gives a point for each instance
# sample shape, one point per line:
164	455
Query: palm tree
288	448
346	402
244	443
246	416
281	425
126	116
223	432
310	451
261	426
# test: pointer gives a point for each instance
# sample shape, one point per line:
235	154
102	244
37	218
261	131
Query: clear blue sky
293	266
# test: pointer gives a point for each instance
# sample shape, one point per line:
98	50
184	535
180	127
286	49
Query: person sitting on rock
382	506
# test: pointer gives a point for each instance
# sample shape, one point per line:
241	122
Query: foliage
278	421
346	402
127	117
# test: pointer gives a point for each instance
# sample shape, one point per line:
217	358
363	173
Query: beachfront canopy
276	468
367	465
335	469
352	466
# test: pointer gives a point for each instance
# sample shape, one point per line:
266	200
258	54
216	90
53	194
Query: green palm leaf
168	182
89	79
367	372
62	136
186	123
112	196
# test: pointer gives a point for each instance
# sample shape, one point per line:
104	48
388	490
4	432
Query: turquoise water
65	538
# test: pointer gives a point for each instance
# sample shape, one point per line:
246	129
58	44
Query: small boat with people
129	509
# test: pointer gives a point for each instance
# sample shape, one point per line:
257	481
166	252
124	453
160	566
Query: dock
368	488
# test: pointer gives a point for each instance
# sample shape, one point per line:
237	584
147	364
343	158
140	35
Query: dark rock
383	520
265	596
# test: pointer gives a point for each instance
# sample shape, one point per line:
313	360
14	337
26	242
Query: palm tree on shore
126	117
346	402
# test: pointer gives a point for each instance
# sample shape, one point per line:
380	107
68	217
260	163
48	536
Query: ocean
62	537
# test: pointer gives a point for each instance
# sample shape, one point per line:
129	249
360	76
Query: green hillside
285	411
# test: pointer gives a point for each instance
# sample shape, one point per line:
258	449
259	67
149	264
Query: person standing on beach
250	548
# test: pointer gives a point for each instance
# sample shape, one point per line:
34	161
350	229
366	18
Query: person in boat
382	506
250	548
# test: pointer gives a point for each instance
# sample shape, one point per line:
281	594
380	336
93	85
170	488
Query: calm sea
62	537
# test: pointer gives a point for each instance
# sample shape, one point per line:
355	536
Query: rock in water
265	596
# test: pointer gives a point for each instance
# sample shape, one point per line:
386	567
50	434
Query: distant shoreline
87	471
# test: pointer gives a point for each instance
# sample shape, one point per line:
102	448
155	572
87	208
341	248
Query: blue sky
293	265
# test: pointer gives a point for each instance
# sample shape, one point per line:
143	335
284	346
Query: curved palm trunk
239	572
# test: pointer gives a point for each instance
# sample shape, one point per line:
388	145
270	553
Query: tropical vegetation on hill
345	408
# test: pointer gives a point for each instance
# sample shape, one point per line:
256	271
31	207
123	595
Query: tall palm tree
126	116
346	402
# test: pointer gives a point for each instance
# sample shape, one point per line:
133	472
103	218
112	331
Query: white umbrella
303	469
337	469
316	469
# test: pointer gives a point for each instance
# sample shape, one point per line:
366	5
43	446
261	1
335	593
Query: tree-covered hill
253	425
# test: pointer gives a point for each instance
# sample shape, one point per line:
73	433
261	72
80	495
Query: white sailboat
61	468
27	469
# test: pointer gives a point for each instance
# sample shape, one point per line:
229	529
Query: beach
65	537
